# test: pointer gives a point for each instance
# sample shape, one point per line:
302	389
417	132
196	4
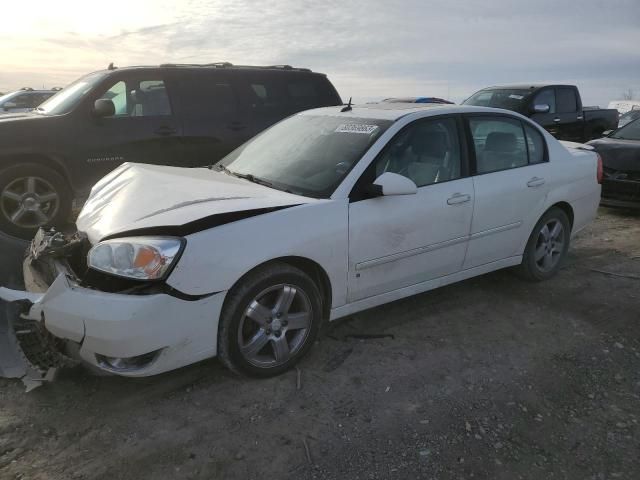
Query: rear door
404	240
569	117
511	182
213	122
143	129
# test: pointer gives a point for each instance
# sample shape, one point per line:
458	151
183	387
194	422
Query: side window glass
118	95
535	144
499	143
546	97
265	93
149	99
303	94
22	101
567	100
427	152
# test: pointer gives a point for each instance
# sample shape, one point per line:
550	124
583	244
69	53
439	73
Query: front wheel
32	196
269	321
547	246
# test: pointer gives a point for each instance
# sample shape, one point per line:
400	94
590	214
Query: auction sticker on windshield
356	128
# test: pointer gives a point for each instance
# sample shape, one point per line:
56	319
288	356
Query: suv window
566	100
304	94
139	98
265	92
24	100
546	97
208	96
427	152
499	143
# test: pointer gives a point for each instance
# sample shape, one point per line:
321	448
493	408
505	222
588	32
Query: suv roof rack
231	65
56	89
27	89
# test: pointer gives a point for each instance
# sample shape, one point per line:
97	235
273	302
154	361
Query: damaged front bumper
59	322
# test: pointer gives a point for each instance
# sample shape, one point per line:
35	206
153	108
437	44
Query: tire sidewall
239	299
529	256
9	174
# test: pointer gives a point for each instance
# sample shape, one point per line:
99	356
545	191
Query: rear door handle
165	131
458	198
535	182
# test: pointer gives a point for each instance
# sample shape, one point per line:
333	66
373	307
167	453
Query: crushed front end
27	349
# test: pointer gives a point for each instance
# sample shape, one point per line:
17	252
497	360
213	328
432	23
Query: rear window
509	99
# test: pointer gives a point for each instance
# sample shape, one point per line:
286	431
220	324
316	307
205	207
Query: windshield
63	101
631	131
509	99
305	154
624	119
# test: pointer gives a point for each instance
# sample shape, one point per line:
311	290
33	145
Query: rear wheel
547	246
269	321
32	196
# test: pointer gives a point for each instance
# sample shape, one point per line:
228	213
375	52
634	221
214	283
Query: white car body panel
372	251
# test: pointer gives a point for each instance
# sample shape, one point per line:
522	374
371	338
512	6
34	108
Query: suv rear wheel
32	196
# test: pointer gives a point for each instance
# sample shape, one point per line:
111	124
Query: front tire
547	247
269	321
32	196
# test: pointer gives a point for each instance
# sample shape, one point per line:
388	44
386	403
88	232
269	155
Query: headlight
141	258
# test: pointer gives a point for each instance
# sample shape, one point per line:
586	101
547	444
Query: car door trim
409	253
491	231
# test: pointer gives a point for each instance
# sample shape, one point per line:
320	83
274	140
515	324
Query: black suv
182	115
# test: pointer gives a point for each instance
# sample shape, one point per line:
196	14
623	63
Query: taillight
600	174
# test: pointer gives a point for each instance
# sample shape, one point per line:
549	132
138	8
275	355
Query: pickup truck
557	108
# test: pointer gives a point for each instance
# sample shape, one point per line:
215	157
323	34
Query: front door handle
535	182
458	198
165	131
556	120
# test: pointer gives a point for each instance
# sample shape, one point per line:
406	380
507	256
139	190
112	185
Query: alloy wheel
29	202
549	245
275	326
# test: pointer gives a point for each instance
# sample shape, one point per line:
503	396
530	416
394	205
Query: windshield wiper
245	176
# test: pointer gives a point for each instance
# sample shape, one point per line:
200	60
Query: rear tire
31	196
547	247
269	321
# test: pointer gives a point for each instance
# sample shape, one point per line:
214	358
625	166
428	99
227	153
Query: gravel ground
490	378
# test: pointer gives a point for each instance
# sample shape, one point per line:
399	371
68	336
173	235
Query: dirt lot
491	378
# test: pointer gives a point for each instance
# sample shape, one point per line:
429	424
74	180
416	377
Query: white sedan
329	212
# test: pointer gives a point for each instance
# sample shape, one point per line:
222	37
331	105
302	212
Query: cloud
369	48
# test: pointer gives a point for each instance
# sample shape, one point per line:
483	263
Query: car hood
623	155
145	199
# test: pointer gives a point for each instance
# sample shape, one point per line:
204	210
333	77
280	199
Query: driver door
404	240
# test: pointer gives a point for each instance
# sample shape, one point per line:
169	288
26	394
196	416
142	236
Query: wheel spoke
30	185
258	313
40	215
556	231
48	197
545	233
541	251
18	214
285	299
547	263
557	248
12	196
298	321
281	349
256	344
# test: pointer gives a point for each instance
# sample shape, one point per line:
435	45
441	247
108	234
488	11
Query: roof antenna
348	107
111	66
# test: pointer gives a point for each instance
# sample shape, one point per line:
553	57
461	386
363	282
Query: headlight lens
141	258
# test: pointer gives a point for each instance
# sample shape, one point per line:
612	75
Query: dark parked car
24	100
558	108
182	115
620	152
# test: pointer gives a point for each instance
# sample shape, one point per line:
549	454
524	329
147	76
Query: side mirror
389	184
104	108
541	108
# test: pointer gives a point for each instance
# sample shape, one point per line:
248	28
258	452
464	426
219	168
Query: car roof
395	111
211	66
526	86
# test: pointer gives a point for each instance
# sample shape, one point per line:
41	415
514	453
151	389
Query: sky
369	49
